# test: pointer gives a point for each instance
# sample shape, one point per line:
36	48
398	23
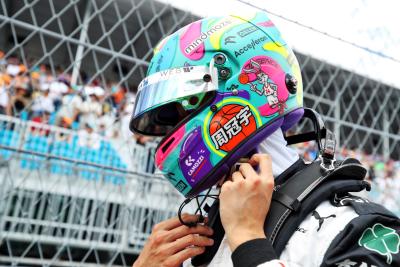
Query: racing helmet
215	89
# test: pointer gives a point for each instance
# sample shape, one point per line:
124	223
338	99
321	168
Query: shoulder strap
295	196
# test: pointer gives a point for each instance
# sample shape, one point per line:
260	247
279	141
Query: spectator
71	105
63	135
119	96
106	122
87	137
91	109
43	118
57	90
20	101
3	62
13	66
5	81
43	103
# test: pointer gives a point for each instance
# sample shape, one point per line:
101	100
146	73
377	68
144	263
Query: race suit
355	233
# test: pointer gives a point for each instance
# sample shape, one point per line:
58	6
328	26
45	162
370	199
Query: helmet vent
167	145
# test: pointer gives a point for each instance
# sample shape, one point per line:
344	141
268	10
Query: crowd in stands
46	95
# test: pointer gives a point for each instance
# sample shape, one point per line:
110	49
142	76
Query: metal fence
61	205
109	40
54	203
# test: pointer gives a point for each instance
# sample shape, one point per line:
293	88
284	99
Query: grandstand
77	189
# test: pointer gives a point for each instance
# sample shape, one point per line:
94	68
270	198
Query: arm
256	252
244	204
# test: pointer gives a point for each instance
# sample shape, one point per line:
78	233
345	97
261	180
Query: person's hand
245	201
171	243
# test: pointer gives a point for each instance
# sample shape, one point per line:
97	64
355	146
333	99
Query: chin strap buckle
327	154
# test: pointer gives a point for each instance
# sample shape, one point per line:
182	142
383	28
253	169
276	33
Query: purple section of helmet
285	123
194	158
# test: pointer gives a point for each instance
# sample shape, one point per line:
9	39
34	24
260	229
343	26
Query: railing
73	200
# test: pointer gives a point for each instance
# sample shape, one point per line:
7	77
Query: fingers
183	230
265	164
181	256
247	170
174	222
190	240
237	176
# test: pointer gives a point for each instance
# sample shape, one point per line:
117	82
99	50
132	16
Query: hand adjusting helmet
215	89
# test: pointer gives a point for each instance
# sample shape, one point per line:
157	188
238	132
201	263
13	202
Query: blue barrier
8	138
105	155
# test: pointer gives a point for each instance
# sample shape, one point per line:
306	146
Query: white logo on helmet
189	161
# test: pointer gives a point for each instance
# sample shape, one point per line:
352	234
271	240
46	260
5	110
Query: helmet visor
166	97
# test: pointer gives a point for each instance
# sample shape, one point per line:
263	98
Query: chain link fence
64	204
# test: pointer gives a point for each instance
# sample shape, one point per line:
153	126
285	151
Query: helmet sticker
234	121
194	157
181	186
192	41
252	45
230	39
256	74
246	31
230	125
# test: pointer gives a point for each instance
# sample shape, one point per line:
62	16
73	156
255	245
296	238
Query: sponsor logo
350	263
173	71
346	200
187	67
230	40
230	125
381	239
346	263
189	161
196	165
301	230
321	219
247	31
194	158
250	46
204	36
232	87
181	186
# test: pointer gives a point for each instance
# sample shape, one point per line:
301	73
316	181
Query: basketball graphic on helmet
228	128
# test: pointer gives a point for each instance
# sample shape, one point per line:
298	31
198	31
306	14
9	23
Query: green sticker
381	239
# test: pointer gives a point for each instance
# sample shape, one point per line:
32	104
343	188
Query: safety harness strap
313	182
298	191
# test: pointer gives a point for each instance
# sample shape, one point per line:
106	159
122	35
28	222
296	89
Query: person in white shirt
43	103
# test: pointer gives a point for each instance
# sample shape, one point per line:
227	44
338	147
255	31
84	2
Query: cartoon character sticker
266	78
